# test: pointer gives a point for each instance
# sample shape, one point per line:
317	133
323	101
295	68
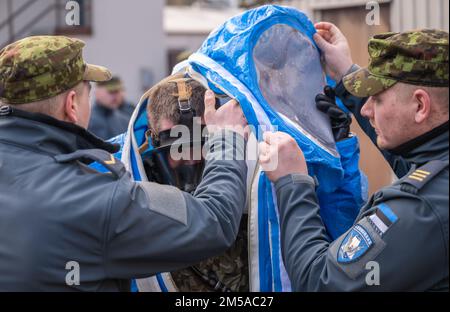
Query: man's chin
382	144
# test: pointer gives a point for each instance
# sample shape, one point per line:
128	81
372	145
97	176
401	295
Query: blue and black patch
382	219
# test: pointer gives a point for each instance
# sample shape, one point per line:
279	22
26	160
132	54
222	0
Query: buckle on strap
5	110
184	106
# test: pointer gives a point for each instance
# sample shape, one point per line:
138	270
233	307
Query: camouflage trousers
229	269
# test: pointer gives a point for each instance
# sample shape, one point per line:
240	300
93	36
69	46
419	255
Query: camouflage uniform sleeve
156	228
376	254
354	105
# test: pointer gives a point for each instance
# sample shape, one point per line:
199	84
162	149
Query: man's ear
71	108
423	109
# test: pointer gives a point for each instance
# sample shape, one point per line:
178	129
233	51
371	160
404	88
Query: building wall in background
130	41
187	27
413	14
44	25
128	38
404	14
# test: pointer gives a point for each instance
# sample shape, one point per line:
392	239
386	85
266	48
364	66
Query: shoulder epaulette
421	176
115	166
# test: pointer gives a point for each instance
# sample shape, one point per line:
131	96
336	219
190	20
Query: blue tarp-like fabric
228	61
267	60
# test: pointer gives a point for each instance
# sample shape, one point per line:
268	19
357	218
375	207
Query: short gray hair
49	106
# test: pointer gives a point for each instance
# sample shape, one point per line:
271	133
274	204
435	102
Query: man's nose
366	110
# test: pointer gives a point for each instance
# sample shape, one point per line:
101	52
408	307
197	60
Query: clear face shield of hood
289	76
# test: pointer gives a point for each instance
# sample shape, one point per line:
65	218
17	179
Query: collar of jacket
47	134
432	145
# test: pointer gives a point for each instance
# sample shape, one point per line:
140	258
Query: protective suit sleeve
376	254
156	228
340	208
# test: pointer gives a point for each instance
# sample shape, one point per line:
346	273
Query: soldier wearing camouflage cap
67	227
110	112
41	67
399	241
415	57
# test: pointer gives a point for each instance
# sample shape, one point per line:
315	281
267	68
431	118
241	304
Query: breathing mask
176	158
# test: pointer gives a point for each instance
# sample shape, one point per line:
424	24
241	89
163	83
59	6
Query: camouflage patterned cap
415	57
113	85
41	67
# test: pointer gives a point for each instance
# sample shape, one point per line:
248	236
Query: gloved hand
340	120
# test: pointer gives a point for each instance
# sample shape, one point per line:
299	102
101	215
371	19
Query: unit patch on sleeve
355	244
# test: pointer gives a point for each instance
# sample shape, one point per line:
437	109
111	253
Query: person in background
111	113
118	91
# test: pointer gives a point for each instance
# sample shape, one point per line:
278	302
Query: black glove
340	120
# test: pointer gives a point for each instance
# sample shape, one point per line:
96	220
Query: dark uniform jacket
55	211
108	123
399	241
127	108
